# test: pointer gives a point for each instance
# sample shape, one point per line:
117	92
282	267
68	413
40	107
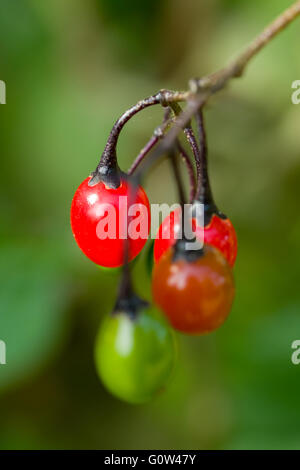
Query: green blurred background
71	68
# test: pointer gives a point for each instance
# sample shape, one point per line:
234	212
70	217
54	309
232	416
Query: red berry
197	294
88	213
218	232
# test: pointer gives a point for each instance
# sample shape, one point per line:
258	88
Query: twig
202	89
203	193
189	133
219	79
177	177
145	150
190	171
157	135
168	141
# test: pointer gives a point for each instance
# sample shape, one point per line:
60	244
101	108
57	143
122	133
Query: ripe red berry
218	232
195	291
90	209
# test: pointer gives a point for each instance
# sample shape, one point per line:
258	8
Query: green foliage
32	317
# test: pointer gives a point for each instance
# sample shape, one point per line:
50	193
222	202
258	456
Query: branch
219	79
157	135
177	177
190	171
204	193
202	89
167	143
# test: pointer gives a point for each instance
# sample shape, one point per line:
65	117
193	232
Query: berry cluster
135	348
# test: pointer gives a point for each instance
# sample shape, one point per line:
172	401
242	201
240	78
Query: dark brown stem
177	177
158	134
145	150
190	170
127	300
203	193
107	169
193	143
169	140
189	133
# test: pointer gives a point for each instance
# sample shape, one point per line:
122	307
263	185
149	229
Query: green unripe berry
135	355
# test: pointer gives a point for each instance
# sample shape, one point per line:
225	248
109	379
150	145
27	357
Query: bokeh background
71	68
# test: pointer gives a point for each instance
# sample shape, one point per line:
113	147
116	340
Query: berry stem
145	150
203	193
158	134
177	176
127	301
190	170
107	170
169	140
189	133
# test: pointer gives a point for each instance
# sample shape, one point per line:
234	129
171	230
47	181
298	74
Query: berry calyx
135	354
100	221
218	232
195	291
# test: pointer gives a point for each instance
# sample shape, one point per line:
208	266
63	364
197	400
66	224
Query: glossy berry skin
219	232
196	296
87	212
135	356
